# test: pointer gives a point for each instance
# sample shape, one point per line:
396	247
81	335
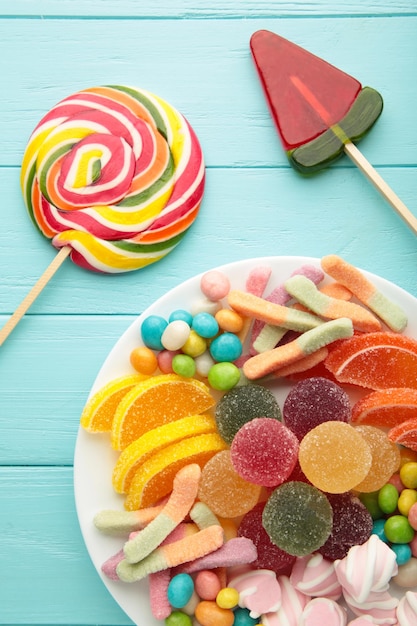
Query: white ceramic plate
94	459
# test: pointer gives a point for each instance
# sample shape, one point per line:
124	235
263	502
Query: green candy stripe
153	189
146	247
153	110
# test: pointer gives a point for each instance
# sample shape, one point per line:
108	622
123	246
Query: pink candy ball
207	585
215	285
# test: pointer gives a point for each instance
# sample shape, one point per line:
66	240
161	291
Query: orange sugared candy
158	400
386	408
378	360
223	490
386	459
405	434
334	457
98	413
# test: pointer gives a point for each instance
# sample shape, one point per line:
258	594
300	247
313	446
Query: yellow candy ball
406	500
227	598
195	345
408	475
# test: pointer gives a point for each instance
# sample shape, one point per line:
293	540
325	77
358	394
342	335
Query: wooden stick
34	292
385	190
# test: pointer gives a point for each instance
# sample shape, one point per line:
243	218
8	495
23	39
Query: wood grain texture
194	54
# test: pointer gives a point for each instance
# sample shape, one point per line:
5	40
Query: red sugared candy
264	452
312	402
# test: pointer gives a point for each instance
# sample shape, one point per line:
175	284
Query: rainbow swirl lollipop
116	175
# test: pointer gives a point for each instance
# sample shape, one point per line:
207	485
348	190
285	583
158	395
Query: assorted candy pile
242	511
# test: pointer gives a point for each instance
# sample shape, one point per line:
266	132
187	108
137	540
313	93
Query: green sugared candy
241	405
298	518
178	618
388	498
398	530
370	500
183	365
223	376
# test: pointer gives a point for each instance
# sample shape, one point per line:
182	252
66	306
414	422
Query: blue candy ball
205	325
226	347
181	314
402	552
242	618
378	529
151	331
180	590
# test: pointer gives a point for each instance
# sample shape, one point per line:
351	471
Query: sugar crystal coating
270	556
386	459
312	402
352	525
264	451
242	404
298	518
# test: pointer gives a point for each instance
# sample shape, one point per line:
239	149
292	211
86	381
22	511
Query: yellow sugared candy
153	479
334	457
98	413
223	490
156	401
386	459
139	450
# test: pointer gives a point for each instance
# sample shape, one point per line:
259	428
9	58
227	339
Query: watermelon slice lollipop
319	110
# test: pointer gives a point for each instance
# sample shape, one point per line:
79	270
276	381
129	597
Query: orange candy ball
144	360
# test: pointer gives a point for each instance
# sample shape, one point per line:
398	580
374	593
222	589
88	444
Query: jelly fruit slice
386	408
380	360
98	413
156	401
405	434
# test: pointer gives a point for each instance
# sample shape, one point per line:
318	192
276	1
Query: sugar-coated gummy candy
180	589
264	451
269	555
226	347
334	457
352	525
215	285
385	458
223	376
242	404
313	401
298	518
205	325
151	331
223	490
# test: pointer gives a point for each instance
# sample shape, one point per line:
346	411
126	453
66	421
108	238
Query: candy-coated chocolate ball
204	362
207	585
412	516
178	618
226	347
370	500
144	360
398	530
378	529
208	613
407	498
408	474
388	498
183	365
215	285
243	618
205	325
402	552
151	331
164	358
228	598
229	320
195	345
181	314
175	335
180	590
223	376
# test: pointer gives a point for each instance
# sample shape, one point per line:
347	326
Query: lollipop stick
33	293
385	190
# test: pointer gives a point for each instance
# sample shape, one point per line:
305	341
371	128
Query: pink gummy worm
236	551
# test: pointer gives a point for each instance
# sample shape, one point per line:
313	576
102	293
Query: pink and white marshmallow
315	576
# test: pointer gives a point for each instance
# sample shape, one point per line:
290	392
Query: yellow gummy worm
113	522
307	343
182	498
365	291
258	308
306	292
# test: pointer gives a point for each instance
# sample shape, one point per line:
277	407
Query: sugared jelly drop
242	404
386	459
334	457
269	555
312	402
352	525
223	490
264	451
298	518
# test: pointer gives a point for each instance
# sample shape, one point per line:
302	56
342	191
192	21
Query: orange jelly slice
386	408
405	434
156	401
378	360
154	479
98	413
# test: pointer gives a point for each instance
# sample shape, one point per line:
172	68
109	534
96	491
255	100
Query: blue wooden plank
227	108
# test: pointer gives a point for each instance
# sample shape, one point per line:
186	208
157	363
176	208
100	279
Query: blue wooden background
194	54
